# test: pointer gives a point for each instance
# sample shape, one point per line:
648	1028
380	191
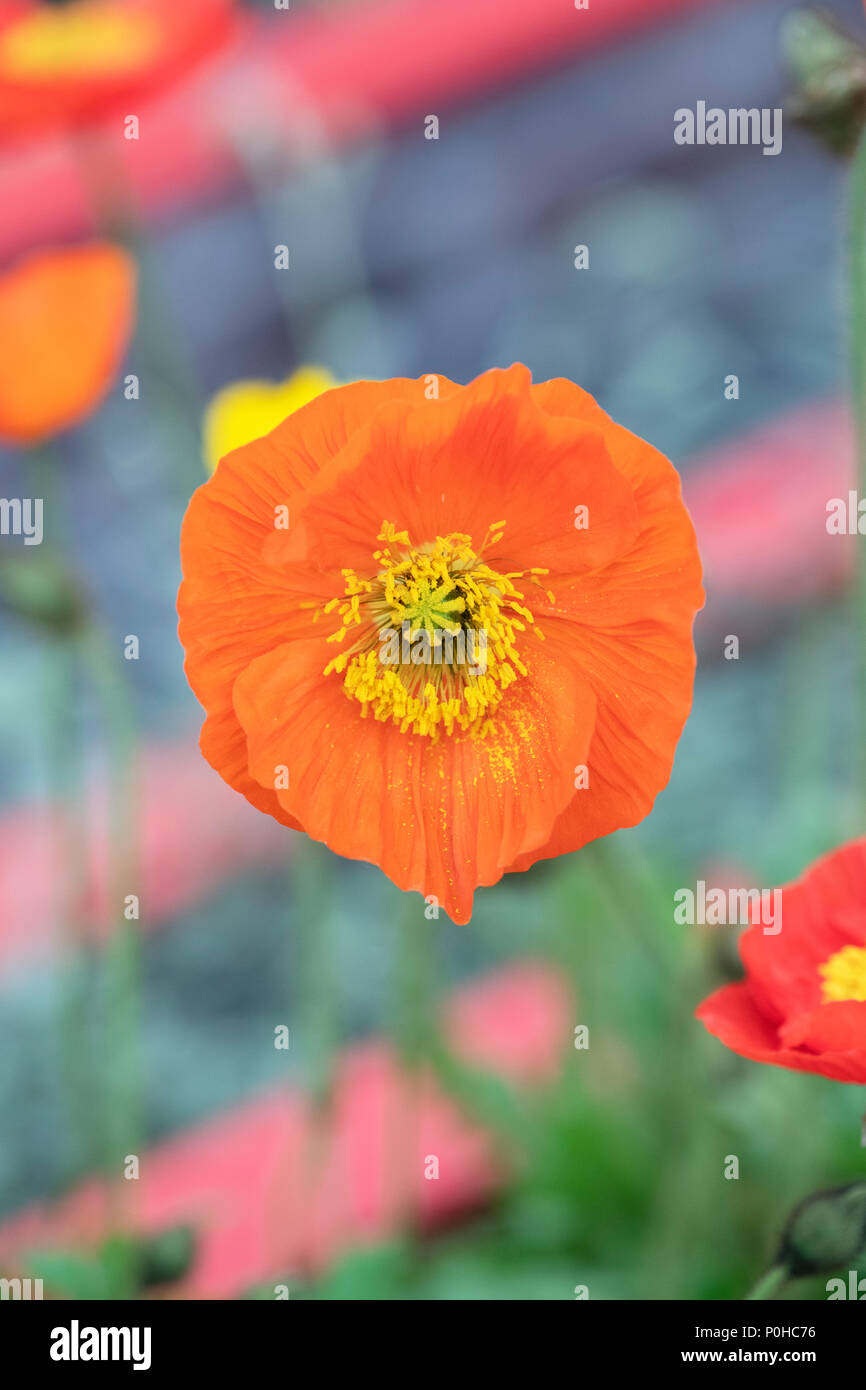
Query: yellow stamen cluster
85	39
844	975
450	624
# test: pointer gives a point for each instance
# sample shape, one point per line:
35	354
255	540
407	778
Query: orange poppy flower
803	1002
65	321
63	65
450	636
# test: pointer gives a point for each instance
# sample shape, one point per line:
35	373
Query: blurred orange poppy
62	65
65	321
802	1004
447	629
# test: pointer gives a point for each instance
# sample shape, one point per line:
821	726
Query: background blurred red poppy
66	65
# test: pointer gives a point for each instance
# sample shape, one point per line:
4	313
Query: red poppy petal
838	1026
821	912
732	1015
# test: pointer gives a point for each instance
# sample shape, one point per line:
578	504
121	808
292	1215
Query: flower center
844	975
85	39
431	640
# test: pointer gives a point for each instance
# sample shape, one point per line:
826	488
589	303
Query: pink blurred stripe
340	72
195	832
759	506
262	1208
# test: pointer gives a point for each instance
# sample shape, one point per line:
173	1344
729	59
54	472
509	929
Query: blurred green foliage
618	1166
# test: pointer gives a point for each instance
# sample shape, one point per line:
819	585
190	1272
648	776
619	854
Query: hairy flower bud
825	1232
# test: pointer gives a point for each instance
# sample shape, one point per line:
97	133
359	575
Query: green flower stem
66	778
317	1001
414	986
633	891
857	233
417	1043
171	386
614	889
770	1283
122	1127
276	185
76	1060
79	645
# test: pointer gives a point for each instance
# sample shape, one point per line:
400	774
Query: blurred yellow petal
248	409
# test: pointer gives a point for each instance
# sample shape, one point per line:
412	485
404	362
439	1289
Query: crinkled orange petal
65	321
442	818
630	625
487	454
234	605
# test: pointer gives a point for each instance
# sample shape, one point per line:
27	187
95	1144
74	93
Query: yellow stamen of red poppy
844	975
81	40
433	634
